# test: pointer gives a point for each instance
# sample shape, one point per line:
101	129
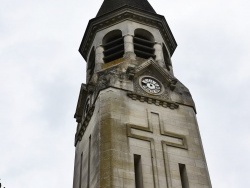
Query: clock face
151	85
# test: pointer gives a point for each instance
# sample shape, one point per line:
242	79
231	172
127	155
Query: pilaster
129	47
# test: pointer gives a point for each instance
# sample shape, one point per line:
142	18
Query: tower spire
111	5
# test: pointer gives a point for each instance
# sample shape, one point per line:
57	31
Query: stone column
159	54
129	47
99	55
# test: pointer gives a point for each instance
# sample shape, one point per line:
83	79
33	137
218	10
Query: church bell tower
136	122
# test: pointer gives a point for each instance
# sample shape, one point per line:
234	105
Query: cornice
152	100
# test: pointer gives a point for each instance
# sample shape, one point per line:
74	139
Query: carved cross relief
158	138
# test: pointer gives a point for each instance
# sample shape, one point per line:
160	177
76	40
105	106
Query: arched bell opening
113	45
144	44
91	63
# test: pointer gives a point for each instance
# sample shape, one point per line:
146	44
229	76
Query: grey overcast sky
41	72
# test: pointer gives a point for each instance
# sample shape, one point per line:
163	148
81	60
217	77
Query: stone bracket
153	100
131	73
83	126
91	88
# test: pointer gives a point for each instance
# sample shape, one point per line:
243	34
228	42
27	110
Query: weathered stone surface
118	120
112	147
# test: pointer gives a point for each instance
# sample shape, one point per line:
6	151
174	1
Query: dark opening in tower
138	171
113	46
167	59
144	44
91	63
183	176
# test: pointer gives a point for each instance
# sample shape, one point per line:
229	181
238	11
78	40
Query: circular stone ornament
151	85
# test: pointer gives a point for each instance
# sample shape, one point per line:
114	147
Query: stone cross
158	138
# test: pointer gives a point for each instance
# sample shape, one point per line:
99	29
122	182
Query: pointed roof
111	5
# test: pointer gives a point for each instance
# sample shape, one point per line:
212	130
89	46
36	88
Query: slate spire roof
111	5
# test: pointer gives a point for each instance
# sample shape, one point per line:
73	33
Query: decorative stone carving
103	82
105	78
153	100
130	73
84	124
90	88
80	104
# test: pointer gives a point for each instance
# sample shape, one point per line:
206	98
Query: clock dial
151	85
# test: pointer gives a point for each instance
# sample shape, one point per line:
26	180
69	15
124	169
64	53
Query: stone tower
137	123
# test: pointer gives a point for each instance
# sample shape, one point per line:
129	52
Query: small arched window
113	46
91	63
167	59
144	44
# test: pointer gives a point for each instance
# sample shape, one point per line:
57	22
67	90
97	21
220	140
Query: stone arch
146	35
113	46
144	44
